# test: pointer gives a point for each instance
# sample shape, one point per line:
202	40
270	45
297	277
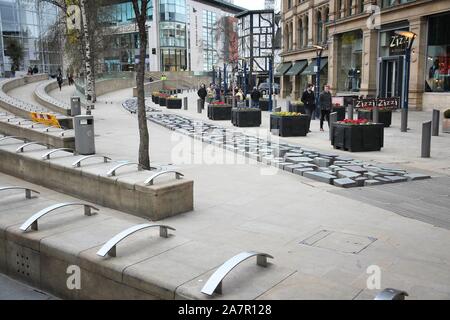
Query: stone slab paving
11	289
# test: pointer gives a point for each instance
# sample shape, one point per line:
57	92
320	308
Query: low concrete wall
18	82
109	85
125	193
41	94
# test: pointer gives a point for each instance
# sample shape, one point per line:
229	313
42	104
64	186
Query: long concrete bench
23	108
125	191
61	257
41	94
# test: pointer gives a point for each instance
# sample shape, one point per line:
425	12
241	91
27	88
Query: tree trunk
88	85
141	17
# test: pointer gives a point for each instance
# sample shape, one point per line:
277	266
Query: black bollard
404	120
350	111
375	114
426	139
333	119
435	122
185	100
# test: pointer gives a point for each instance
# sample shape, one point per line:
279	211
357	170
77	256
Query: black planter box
297	108
162	101
219	112
264	104
155	99
246	117
384	117
179	90
340	112
289	126
173	103
354	138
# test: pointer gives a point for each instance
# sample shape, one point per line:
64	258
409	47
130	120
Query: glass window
437	71
349	61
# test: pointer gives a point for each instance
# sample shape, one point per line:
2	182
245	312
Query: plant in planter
218	110
340	110
173	102
246	117
384	115
357	135
288	124
446	121
297	106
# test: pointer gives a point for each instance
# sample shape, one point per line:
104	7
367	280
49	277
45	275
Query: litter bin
84	134
75	106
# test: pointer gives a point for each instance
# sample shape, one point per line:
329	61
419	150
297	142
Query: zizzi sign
397	44
385	103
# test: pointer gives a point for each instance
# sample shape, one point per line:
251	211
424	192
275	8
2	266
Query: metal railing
109	248
46	156
149	180
13	137
112	172
214	283
27	190
78	162
33	220
20	149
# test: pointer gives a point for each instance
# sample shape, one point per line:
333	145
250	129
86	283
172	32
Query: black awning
298	67
282	68
310	68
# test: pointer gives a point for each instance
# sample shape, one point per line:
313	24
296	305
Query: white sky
253	4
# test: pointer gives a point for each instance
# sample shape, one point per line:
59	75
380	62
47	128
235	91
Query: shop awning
310	68
282	68
298	67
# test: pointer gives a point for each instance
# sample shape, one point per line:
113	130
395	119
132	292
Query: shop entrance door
390	77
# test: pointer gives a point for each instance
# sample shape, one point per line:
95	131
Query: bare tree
140	10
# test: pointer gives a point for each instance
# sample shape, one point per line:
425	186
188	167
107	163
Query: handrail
27	190
20	149
13	137
46	156
77	163
214	283
109	248
33	220
112	172
149	180
391	294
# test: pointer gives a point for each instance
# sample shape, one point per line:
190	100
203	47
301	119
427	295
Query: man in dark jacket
202	94
255	95
35	70
309	100
325	106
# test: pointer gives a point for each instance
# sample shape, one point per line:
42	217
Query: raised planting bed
384	116
297	106
173	103
340	110
289	124
219	111
163	99
155	98
246	117
357	135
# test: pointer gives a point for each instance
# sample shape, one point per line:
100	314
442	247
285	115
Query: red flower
354	122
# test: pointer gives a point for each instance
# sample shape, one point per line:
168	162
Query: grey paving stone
291	167
298	159
322	162
360	181
340	163
371	175
343	158
416	176
383	179
292	154
358	169
345	183
301	171
347	174
372	182
396	178
309	165
320	176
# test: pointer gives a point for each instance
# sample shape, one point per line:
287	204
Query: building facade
181	35
31	23
363	54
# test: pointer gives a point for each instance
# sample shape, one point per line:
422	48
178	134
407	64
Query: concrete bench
41	94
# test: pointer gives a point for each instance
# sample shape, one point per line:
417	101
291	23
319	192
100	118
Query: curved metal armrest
214	283
391	294
78	162
149	181
27	190
13	137
109	248
33	220
20	149
46	156
112	172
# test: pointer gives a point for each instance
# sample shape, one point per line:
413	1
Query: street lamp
319	51
270	82
407	66
214	74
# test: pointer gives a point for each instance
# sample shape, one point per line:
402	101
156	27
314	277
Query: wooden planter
354	138
173	103
289	126
246	117
219	112
384	117
340	112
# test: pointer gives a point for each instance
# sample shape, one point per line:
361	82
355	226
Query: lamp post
214	74
319	51
410	36
270	82
245	78
225	84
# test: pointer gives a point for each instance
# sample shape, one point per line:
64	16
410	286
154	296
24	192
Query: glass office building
31	23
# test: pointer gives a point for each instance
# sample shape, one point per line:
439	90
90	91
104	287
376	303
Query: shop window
438	55
319	27
349	61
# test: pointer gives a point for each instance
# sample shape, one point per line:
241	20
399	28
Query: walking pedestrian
35	69
202	93
255	95
309	100
59	79
325	106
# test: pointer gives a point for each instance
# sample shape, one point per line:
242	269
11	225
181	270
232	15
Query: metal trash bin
75	106
84	134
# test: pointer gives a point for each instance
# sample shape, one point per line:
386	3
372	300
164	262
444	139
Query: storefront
349	62
298	80
311	70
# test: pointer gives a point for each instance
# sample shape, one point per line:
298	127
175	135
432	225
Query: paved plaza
323	238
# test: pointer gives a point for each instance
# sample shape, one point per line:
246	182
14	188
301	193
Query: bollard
185	101
435	122
426	139
199	105
288	105
375	114
350	111
274	104
333	119
404	120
